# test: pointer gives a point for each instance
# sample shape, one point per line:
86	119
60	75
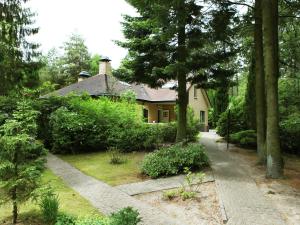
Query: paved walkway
104	197
158	184
244	203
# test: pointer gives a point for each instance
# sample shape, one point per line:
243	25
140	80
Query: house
158	103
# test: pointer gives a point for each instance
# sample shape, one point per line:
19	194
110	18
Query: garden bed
203	209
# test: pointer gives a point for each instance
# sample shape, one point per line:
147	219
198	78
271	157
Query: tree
166	41
260	84
76	58
271	60
22	157
17	54
63	68
94	64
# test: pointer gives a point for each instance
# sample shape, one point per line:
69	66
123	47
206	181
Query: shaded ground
97	165
243	201
284	192
204	209
29	212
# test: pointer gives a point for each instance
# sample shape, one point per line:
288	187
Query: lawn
97	165
70	202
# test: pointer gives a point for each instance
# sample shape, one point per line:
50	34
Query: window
202	116
145	115
195	92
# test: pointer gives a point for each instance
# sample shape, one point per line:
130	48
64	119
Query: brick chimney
105	66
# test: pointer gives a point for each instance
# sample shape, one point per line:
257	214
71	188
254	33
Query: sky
98	21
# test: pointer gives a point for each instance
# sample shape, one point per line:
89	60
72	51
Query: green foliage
192	180
246	138
115	156
72	131
290	133
237	119
64	69
7	106
170	194
17	67
193	126
90	124
126	216
94	64
172	160
65	219
187	194
22	157
129	96
49	205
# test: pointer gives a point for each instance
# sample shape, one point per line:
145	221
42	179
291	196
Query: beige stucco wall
198	104
153	111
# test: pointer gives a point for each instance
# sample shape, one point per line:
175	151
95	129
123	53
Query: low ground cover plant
246	138
126	216
115	155
49	205
172	160
189	189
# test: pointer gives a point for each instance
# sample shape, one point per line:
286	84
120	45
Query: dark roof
96	86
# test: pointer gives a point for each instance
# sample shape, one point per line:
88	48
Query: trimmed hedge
169	161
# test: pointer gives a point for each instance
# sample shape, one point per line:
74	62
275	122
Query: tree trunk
15	206
271	58
260	85
250	96
181	76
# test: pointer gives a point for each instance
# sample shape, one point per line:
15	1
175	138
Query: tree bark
260	84
15	206
14	190
181	75
271	58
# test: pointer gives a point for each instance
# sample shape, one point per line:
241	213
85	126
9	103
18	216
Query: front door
163	116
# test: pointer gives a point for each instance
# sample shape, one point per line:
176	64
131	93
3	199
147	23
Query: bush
126	216
116	156
72	132
237	120
97	124
172	160
245	138
168	132
193	126
65	219
290	133
49	207
95	220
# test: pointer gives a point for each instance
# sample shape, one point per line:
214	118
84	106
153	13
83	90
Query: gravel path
244	203
104	197
158	184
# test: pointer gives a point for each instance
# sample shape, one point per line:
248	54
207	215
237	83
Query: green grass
97	165
70	202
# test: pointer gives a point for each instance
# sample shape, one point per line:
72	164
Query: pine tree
22	157
17	54
168	41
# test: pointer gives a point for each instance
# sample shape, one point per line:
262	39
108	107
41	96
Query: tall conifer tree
168	40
